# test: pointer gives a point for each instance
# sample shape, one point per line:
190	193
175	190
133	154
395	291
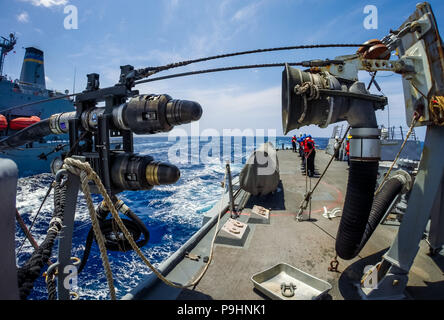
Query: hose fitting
365	144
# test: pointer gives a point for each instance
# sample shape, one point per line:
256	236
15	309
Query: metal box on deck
307	287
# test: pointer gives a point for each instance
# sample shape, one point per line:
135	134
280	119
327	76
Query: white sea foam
175	209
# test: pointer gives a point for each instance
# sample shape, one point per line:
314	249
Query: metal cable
415	118
146	72
25	230
47	194
40	101
190	73
37	214
153	70
308	195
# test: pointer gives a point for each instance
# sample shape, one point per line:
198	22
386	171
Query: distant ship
36	157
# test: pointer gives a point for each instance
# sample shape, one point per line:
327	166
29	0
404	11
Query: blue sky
149	33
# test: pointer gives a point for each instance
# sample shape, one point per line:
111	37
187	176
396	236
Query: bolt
395	282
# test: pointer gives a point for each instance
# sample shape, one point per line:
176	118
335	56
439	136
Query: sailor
336	148
301	145
293	142
347	149
298	140
310	154
302	151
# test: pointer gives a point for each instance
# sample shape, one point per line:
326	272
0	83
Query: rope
87	173
135	226
35	218
84	171
415	118
30	271
305	201
84	178
26	231
308	91
49	276
51	284
436	108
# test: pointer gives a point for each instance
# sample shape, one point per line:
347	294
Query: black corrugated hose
390	190
361	215
135	226
32	133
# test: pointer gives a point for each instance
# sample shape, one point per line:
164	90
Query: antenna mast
6	45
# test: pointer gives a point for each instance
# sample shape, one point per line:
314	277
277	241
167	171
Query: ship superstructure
16	98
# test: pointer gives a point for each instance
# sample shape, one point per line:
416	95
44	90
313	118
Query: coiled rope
308	91
86	173
30	271
436	109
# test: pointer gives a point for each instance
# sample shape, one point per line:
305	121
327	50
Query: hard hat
349	136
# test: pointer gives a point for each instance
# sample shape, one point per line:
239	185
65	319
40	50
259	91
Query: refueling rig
328	92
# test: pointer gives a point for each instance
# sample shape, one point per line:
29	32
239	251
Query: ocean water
172	213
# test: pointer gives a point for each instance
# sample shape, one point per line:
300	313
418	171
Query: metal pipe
230	192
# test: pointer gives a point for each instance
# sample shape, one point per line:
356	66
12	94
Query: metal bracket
65	239
391	287
424	196
234	213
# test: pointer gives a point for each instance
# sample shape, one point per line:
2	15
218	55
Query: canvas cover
260	175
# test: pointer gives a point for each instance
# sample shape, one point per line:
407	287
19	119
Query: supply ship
362	230
16	113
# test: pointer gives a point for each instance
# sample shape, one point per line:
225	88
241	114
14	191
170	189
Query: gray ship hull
31	88
28	161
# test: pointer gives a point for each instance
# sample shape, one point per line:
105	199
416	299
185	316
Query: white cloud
247	107
47	3
220	24
174	3
23	17
246	12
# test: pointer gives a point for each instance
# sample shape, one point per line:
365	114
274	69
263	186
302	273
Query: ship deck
306	245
